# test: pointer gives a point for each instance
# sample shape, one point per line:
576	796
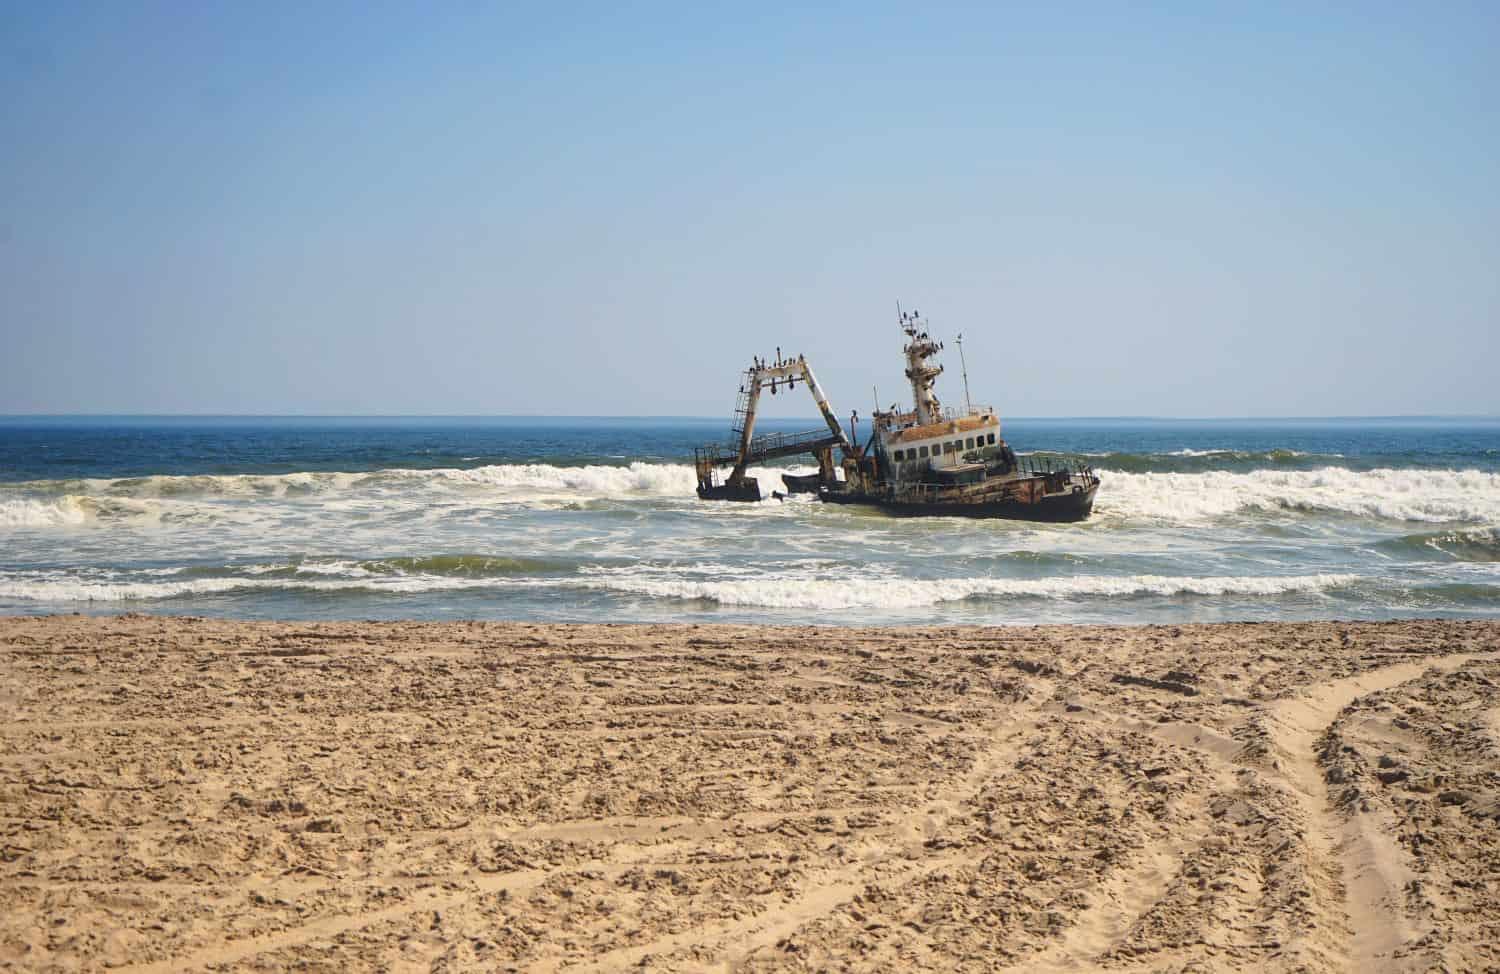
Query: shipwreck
929	460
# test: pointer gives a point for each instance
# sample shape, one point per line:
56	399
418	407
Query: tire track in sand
1369	863
238	951
1367	860
736	940
1118	903
743	936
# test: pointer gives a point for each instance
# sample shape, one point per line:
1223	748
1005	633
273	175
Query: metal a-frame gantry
748	448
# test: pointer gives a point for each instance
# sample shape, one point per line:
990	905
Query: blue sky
1252	210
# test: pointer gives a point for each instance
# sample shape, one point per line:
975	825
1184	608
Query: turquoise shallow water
596	520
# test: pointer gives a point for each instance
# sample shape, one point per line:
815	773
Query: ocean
595	520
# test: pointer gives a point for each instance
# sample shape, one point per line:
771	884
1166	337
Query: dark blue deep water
596	519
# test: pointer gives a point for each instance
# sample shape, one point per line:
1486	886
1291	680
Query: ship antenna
968	406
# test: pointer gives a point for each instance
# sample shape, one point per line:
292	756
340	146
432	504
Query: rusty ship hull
1072	505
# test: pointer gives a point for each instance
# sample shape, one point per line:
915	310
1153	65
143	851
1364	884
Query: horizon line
716	418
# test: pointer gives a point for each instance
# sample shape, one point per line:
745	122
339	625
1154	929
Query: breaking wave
26	512
891	593
1463	496
774	593
1480	544
596	479
1455	593
453	566
75	589
600	480
1190	460
1436	496
465	566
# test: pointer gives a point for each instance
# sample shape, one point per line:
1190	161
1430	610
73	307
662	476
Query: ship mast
919	348
964	365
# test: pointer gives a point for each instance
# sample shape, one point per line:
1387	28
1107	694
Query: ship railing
947	414
1048	465
761	447
786	442
895	419
1063	469
954	412
1031	465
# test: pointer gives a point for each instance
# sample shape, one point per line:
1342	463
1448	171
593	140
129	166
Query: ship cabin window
900	455
922	451
969	443
992	439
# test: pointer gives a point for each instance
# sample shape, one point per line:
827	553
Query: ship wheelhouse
933	442
910	452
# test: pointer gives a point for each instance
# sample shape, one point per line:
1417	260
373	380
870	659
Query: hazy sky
463	208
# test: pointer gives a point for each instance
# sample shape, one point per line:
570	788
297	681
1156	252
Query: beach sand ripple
191	793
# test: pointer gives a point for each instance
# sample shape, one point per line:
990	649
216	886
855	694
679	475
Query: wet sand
185	793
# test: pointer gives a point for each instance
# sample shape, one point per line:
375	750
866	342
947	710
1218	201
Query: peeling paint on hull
1071	506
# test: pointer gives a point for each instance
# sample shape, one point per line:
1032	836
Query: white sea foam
915	593
86	589
1462	496
595	479
767	592
1226	452
1402	495
332	567
28	512
253	500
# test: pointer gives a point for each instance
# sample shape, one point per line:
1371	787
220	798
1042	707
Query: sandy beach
192	793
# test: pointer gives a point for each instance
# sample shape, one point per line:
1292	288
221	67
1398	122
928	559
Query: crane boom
762	376
749	448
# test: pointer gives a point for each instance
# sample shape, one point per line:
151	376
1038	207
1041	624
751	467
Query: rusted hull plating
746	489
1074	504
802	483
